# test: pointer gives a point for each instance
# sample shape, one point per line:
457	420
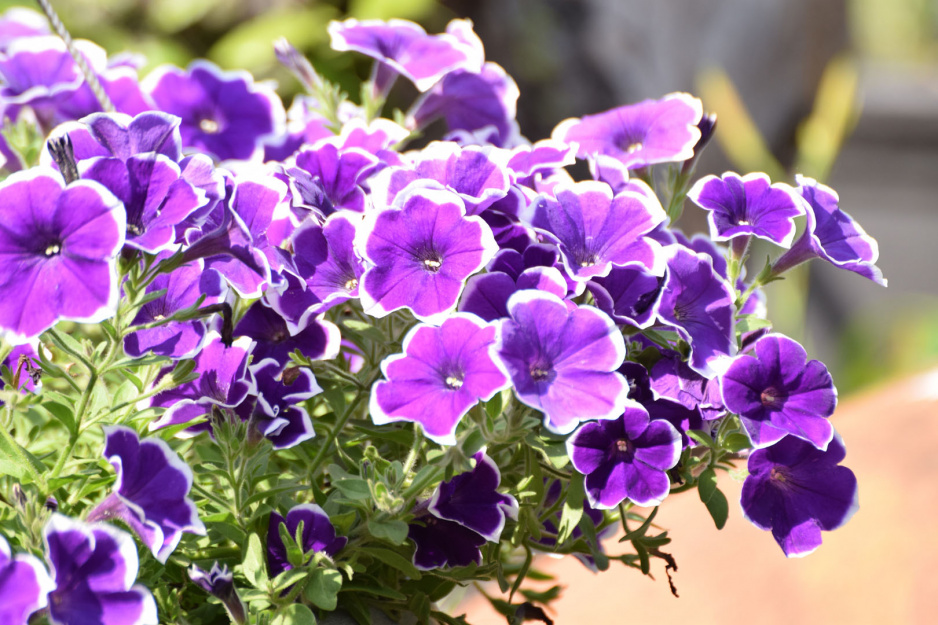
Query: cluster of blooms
524	320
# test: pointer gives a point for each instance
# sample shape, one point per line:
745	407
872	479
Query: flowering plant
310	360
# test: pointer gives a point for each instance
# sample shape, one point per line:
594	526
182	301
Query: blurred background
845	91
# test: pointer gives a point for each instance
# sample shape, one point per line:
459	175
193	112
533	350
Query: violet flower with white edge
471	499
317	339
625	458
595	230
440	543
24	585
405	48
58	250
276	410
318	535
831	234
94	566
638	135
422	254
796	491
20	22
748	205
700	306
223	113
219	582
121	136
563	362
776	391
326	179
443	372
629	295
151	492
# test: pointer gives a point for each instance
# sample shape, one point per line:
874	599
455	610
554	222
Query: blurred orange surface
882	567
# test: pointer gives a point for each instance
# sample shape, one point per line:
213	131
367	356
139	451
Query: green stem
339	426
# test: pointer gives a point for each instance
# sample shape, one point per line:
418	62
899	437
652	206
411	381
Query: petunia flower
441	375
326	179
121	136
151	491
831	234
441	543
422	254
748	205
318	536
626	458
276	409
24	585
595	230
94	566
796	490
563	362
58	246
776	391
629	295
405	48
700	306
225	114
471	499
317	339
219	582
638	135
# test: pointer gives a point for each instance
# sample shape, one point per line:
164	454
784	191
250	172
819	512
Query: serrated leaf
294	614
395	532
322	589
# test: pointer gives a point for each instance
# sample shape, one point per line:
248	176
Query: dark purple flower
422	254
797	490
595	230
219	582
629	295
652	131
563	362
318	535
223	113
831	234
317	339
94	566
224	380
58	246
156	197
471	101
24	586
700	306
276	409
151	491
122	136
443	543
748	205
471	499
405	48
776	391
487	294
442	373
626	458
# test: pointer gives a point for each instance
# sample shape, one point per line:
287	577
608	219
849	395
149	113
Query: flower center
634	147
778	474
624	445
771	398
453	382
432	264
53	249
209	126
351	284
158	317
540	371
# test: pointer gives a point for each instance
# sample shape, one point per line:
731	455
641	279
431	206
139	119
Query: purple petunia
626	458
151	491
58	246
442	373
748	205
318	535
219	582
422	254
563	362
797	490
776	391
637	135
94	566
24	585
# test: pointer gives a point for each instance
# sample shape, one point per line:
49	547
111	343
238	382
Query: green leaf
748	323
395	532
494	406
387	593
365	330
701	437
394	560
294	614
11	461
254	566
420	605
63	414
715	500
555	452
323	588
353	488
736	441
572	508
